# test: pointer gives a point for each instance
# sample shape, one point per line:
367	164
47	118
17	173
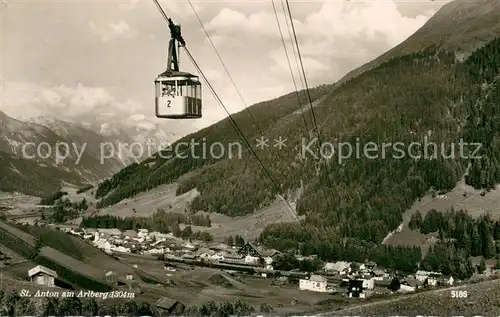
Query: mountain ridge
91	157
456	37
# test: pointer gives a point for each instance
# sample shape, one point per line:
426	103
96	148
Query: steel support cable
216	96
214	93
289	65
303	72
309	97
225	68
293	46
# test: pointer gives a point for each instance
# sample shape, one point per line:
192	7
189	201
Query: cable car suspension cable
303	73
320	143
293	46
289	65
216	96
268	174
225	68
241	98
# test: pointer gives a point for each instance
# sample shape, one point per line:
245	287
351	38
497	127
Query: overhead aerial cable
175	35
225	68
289	65
320	143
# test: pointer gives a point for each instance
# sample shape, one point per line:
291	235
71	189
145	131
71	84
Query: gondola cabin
178	95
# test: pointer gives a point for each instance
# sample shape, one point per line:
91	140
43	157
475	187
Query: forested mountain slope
431	94
31	177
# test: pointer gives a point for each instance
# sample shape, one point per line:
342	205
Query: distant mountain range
96	151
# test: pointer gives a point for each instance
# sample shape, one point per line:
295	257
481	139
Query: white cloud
113	31
231	22
356	18
24	100
312	66
338	37
130	5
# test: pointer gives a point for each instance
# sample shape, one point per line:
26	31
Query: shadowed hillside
31	177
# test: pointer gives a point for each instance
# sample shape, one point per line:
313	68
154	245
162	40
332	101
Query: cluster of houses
360	279
363	280
128	241
155	243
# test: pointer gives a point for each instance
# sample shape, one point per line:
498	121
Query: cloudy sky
80	59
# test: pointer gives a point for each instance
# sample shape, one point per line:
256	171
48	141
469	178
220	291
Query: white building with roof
368	284
251	259
430	277
41	275
103	245
111	277
315	283
340	267
155	251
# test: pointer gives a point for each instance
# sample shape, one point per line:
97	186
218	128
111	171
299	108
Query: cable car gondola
177	94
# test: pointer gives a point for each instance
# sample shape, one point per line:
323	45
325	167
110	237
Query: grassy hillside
76	273
78	249
428	96
76	261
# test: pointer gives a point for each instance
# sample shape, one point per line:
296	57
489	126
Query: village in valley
347	279
173	271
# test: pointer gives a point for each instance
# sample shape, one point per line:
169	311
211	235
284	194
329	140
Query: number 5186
459	294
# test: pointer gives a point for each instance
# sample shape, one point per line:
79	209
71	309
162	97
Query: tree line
84	189
237	241
296	238
63	210
460	236
160	221
51	199
477	237
483	126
